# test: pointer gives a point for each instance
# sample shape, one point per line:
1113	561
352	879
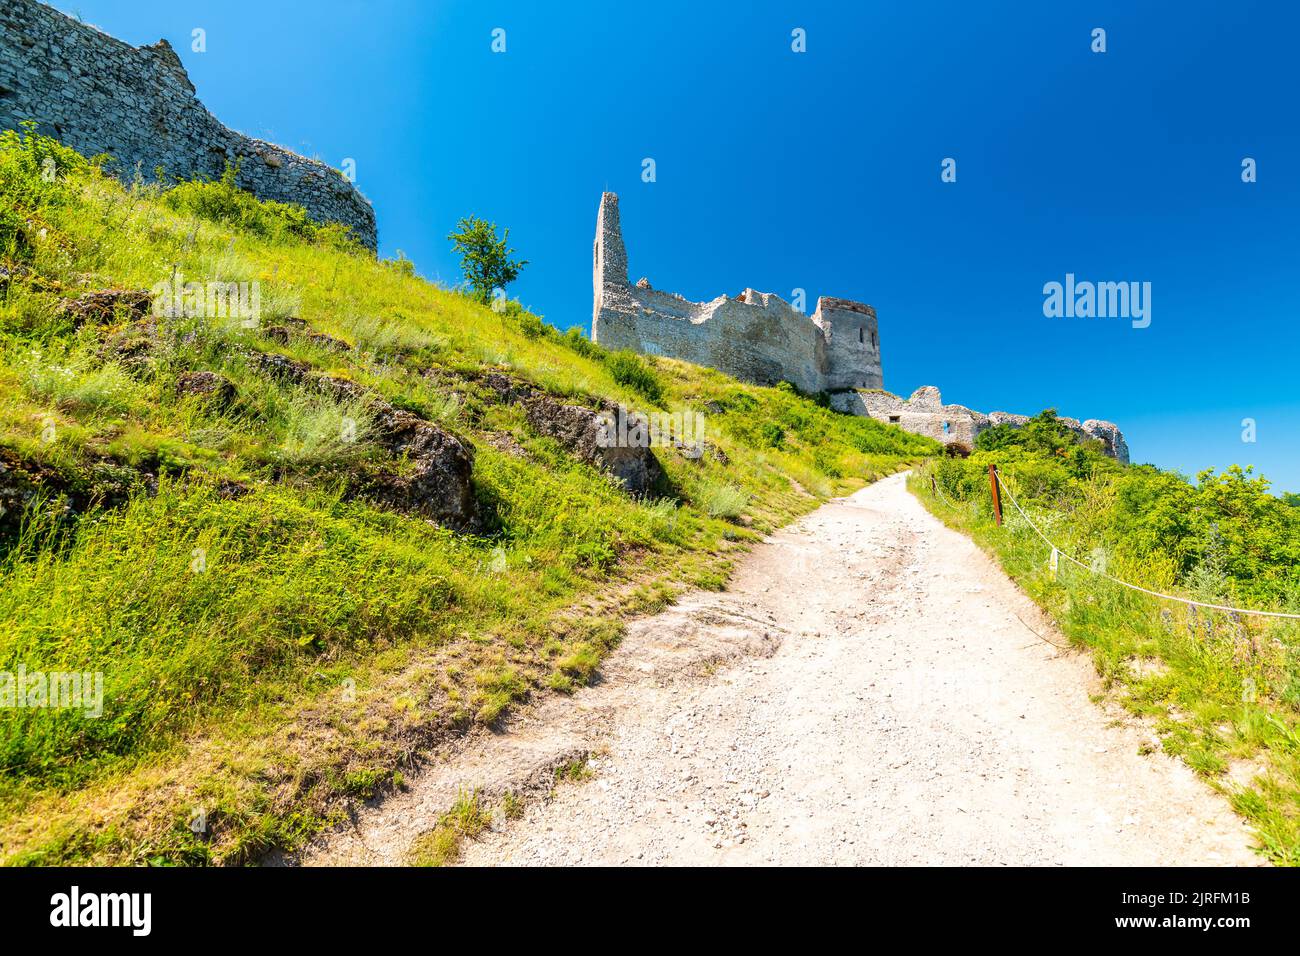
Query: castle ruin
97	94
759	337
755	336
924	413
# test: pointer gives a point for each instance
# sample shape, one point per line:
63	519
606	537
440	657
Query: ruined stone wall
924	413
759	337
100	95
755	336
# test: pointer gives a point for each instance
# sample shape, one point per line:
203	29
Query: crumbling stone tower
755	336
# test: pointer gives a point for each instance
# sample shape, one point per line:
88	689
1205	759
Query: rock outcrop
107	306
206	385
579	431
435	480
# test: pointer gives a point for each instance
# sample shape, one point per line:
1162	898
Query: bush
772	434
532	326
224	202
577	342
720	500
34	171
632	370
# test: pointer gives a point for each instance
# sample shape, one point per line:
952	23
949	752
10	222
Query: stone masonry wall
926	414
100	95
759	337
755	336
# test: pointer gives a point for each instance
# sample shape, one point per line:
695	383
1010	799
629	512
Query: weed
442	845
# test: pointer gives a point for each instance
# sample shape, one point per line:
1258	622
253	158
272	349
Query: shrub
772	434
531	325
721	500
222	201
630	369
577	342
34	171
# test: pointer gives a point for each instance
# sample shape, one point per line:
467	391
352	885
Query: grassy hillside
217	517
1222	689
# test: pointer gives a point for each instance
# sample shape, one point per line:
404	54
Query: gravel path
863	693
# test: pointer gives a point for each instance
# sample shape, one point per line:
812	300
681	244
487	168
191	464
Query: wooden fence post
934	489
997	496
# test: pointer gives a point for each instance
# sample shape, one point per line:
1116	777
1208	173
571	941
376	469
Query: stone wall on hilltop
100	95
925	414
761	338
754	336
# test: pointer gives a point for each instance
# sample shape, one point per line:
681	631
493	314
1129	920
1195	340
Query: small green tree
485	259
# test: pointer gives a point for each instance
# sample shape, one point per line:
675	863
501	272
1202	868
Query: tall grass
630	369
722	500
320	433
74	382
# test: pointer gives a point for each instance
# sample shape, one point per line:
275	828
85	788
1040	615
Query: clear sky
821	170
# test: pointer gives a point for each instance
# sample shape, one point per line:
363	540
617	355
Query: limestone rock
1007	418
108	306
578	429
277	366
1110	436
208	385
437	482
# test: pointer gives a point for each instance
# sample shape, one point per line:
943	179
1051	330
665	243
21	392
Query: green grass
630	369
1223	694
277	652
722	500
441	846
573	771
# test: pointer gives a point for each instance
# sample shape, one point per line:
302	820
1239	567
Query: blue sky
821	170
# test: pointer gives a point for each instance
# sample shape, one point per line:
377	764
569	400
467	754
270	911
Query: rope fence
1057	552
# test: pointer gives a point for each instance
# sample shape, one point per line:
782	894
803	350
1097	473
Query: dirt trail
864	693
